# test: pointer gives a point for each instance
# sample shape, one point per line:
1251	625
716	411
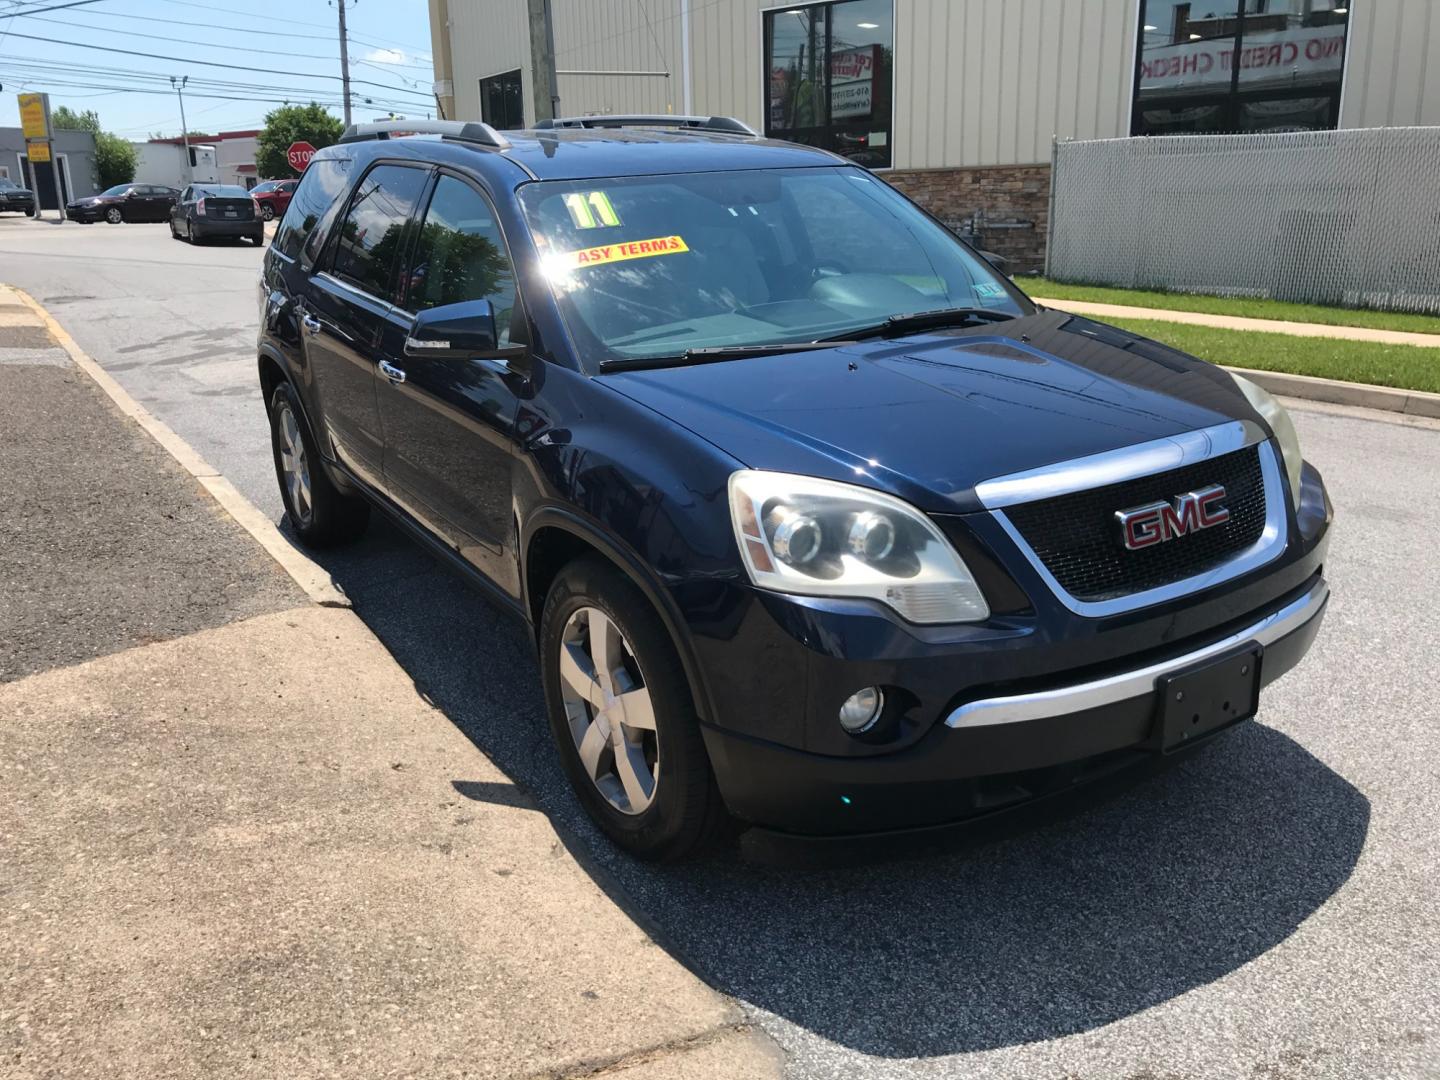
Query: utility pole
179	85
344	62
542	60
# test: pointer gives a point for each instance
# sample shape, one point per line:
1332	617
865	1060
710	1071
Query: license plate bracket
1208	696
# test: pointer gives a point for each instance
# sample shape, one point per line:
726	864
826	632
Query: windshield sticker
631	249
591	210
990	290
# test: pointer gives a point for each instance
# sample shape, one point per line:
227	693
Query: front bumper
85	214
993	752
26	206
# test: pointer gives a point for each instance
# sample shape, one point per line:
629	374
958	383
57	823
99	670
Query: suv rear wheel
622	716
319	512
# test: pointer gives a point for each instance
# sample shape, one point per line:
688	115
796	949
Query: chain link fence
1348	218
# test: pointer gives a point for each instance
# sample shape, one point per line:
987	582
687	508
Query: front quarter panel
644	491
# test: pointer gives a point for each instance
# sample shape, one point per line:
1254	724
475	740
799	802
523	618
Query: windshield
656	265
6	185
118	189
222	191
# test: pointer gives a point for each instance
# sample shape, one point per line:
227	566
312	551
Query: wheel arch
555	537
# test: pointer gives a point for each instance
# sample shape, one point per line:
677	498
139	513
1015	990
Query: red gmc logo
1154	523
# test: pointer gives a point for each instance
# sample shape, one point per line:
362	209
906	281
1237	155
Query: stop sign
299	155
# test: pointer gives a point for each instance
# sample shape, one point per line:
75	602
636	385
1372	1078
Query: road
1269	909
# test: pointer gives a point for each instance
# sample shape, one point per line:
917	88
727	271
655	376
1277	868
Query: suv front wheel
622	716
320	513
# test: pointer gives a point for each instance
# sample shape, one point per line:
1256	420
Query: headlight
1279	420
815	537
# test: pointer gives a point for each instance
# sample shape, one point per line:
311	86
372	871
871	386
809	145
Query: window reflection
460	255
1262	65
828	81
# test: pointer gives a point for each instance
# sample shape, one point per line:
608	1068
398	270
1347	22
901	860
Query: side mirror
464	331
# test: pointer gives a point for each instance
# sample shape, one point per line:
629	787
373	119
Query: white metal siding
1392	76
977	82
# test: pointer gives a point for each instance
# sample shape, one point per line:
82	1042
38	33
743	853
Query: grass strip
1407	367
1233	305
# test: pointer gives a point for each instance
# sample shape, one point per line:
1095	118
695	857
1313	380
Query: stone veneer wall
1003	193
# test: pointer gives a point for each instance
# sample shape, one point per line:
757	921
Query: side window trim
403	303
325	261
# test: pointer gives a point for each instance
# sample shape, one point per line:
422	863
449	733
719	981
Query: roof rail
656	120
467	131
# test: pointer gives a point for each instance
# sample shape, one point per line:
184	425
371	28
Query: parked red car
273	196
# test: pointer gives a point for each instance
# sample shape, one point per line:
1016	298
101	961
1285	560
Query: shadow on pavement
1073	925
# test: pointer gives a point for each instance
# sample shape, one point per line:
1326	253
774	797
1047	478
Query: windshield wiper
910	322
714	354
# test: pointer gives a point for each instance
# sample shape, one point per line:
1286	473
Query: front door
449	425
346	305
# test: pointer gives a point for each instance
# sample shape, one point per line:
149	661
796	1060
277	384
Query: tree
115	158
66	119
290	124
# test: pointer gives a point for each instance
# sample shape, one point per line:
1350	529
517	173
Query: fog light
862	710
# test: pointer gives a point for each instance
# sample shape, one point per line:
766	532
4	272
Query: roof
570	154
583	154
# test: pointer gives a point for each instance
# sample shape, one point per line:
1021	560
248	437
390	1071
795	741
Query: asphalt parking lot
1268	909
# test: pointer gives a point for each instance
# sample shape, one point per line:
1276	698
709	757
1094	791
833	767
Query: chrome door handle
310	323
391	372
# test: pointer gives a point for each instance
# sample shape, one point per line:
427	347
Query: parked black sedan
124	202
14	197
206	211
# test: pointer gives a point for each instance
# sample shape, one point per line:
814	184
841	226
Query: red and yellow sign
38	153
619	252
33	116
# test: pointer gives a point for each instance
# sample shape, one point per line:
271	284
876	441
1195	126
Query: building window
502	104
1266	65
828	74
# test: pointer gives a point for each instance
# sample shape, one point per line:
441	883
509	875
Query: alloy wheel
267	212
294	465
113	215
609	710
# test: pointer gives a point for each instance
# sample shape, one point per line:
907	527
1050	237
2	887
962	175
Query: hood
929	417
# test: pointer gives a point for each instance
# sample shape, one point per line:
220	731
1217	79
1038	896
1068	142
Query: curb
312	578
1335	392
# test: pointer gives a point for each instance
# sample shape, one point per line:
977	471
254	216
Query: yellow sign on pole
33	116
39	152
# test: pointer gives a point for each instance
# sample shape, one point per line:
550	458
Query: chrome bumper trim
1136	683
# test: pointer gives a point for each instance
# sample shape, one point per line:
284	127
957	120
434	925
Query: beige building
957	101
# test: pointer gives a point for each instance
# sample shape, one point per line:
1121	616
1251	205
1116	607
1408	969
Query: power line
208	63
181	41
272	18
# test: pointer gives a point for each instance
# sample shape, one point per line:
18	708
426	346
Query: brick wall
1004	194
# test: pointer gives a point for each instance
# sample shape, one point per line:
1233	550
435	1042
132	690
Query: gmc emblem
1154	523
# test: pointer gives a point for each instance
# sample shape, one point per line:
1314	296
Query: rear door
347	304
449	425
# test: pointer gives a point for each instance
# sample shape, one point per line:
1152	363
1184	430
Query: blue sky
295	40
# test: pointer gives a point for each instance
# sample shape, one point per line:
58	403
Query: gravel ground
1269	909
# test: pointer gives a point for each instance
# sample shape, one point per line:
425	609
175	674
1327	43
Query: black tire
333	517
686	814
193	235
117	219
267	212
174	235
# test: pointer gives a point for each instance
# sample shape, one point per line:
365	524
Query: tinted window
1259	65
222	191
118	189
828	77
268	185
288	185
460	255
320	188
501	101
374	227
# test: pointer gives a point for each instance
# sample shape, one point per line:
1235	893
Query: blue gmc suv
817	521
